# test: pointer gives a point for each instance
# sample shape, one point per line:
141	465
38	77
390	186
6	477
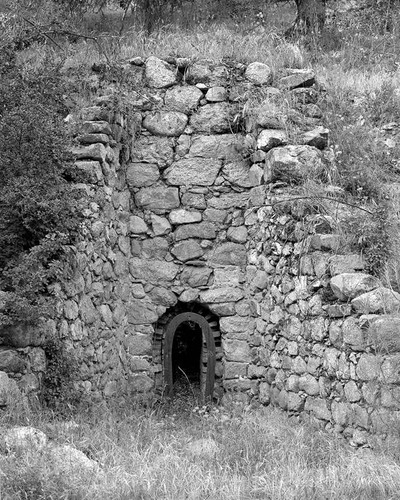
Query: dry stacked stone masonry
193	184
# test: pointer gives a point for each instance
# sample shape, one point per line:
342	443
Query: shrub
39	207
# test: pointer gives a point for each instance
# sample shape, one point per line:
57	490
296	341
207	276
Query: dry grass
146	454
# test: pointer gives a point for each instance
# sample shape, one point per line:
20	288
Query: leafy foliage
39	208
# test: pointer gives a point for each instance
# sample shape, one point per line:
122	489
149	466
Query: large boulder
213	119
377	300
349	285
21	439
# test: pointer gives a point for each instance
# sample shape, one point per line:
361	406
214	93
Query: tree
311	15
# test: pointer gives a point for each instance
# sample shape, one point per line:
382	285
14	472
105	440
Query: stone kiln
193	230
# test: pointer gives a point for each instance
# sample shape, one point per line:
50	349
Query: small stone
317	137
297	78
237	234
157	198
183	99
160	225
259	73
190	295
216	94
95	152
351	392
187	250
309	384
159	74
269	139
141	174
318	407
137	225
292	164
182	216
213	119
165	123
193	171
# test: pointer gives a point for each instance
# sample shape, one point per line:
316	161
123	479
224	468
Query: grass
149	454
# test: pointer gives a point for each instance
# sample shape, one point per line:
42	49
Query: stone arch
211	353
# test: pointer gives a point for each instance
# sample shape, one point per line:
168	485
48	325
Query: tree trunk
310	18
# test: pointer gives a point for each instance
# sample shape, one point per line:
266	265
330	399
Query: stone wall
193	205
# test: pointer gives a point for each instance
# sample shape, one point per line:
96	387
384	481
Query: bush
39	208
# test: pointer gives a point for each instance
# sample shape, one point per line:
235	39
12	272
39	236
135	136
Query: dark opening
186	354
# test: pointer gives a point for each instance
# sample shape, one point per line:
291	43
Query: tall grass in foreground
146	454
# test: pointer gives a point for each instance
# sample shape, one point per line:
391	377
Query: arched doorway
194	344
187	339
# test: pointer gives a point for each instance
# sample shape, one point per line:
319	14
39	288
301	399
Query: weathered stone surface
160	225
154	150
384	334
213	119
268	139
67	460
352	392
141	174
183	99
297	78
95	152
236	324
87	310
187	250
216	94
21	335
235	370
269	115
193	171
349	285
153	271
159	74
194	200
236	350
158	198
141	312
340	413
196	276
368	367
93	138
137	344
183	216
98	127
292	164
237	234
238	173
163	297
309	384
353	335
318	407
229	254
379	300
228	275
221	147
189	295
224	309
227	201
203	230
390	369
222	294
208	73
92	171
259	73
339	264
318	137
137	225
165	123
